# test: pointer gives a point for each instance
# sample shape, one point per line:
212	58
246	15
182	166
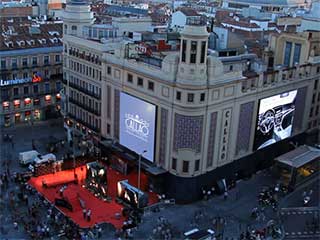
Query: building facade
196	118
31	74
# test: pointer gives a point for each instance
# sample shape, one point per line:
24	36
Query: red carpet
101	211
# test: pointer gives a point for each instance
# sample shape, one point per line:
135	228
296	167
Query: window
25	75
231	68
203	52
315	84
178	96
185	166
193	52
35	89
174	164
318	69
47	87
58	86
57	58
296	54
140	82
15	91
202	97
34	60
184	48
313	98
24	62
109	70
14	63
311	112
317	110
287	54
26	90
3	64
65	29
36	102
197	165
108	128
74	28
190	97
130	78
46	60
151	85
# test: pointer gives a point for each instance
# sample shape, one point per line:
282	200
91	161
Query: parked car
28	157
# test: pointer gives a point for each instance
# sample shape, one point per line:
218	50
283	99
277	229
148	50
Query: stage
102	211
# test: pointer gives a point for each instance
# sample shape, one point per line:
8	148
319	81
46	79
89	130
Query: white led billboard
275	118
137	125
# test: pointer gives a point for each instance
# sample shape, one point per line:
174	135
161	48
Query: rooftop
29	34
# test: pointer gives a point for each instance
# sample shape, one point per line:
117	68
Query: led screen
275	117
137	125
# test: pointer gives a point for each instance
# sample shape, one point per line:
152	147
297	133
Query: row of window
83	55
85	70
85	101
28	102
314	98
85	117
193	51
185	165
46	74
190	97
85	85
30	89
141	82
25	61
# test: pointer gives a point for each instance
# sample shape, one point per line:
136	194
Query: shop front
297	166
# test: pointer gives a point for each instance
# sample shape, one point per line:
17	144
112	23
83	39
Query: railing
90	109
95	129
86	91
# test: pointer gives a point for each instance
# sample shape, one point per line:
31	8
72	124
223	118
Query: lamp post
139	173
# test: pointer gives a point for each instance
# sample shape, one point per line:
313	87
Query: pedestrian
84	211
89	215
225	195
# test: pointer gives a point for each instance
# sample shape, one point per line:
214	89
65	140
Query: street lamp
139	173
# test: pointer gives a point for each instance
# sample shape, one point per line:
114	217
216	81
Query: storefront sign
14	81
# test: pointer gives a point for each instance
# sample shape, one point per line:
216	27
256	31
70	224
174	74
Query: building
274	6
181	16
31	71
196	119
17	9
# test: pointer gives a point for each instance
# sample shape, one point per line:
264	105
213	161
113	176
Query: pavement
230	217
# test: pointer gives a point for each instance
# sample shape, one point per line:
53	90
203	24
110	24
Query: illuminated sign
5	105
275	118
16	102
15	81
137	125
27	101
36	78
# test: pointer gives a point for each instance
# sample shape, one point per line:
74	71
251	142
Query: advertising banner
275	118
137	125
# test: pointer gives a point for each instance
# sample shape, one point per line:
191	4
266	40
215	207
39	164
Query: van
27	157
45	158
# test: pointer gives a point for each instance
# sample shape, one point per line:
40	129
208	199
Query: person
84	211
89	215
225	195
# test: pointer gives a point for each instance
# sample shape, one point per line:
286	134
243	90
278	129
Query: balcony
85	107
91	127
85	91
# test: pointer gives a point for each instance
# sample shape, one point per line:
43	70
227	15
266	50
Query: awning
299	156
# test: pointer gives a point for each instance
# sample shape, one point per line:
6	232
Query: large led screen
137	125
275	118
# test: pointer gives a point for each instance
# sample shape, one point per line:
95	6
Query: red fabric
100	211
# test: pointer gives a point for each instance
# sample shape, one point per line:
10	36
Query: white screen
137	125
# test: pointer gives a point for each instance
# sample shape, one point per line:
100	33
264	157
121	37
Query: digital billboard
275	118
137	125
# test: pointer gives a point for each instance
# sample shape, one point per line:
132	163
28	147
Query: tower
76	15
192	68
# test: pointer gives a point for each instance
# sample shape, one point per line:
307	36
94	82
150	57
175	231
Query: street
228	217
